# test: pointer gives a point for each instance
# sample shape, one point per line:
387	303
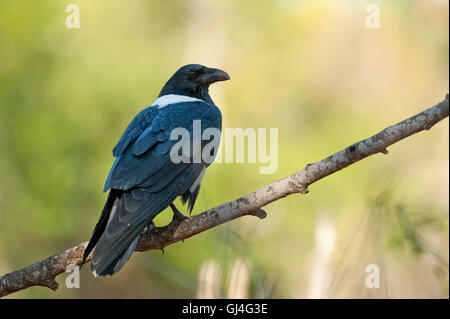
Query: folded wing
148	179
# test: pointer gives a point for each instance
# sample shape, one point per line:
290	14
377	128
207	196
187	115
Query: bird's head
193	80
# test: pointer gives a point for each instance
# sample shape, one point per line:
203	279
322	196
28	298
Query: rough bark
43	273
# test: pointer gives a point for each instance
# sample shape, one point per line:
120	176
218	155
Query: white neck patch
165	100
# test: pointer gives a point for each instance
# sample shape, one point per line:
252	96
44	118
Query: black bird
145	179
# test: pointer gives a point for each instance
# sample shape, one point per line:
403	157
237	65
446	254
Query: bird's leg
177	215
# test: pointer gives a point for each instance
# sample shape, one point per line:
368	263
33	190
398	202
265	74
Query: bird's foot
151	226
177	215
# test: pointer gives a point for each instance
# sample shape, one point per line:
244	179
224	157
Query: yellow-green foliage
309	68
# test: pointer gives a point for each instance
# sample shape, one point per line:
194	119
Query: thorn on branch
304	190
51	283
260	213
384	151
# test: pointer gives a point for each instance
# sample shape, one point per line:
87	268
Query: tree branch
43	273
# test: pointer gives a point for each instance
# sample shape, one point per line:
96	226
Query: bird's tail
101	224
130	214
117	263
125	216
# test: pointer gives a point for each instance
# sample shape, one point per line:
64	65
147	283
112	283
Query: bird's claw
177	215
151	226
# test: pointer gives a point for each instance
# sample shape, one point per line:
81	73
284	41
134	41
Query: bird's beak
214	75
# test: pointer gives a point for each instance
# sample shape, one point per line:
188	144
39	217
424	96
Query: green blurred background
312	69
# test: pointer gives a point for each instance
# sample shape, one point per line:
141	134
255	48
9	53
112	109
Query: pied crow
144	179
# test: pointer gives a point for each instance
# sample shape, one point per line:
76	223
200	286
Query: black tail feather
101	224
120	261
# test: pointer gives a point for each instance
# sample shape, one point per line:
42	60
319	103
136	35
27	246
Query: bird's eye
191	73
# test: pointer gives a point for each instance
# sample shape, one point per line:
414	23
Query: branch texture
43	273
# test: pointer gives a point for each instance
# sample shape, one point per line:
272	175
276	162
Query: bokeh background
312	69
